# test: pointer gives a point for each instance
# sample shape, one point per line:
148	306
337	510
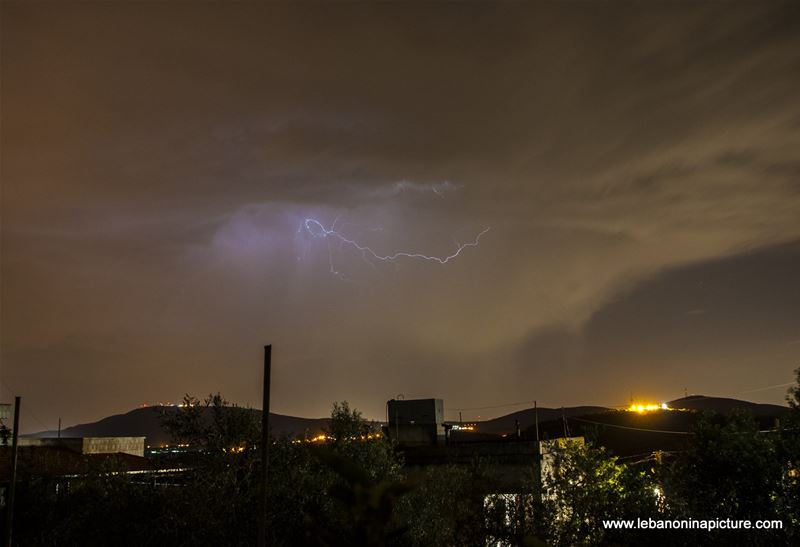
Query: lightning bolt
318	230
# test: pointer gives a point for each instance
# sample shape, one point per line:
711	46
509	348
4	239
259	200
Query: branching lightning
318	230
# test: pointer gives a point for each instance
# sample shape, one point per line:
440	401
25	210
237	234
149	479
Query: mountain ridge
145	421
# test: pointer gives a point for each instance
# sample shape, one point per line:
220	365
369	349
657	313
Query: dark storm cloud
726	322
159	159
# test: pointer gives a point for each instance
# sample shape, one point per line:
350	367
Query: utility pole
262	517
12	486
537	477
400	397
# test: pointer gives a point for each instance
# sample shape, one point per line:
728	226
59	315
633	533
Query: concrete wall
416	411
416	434
74	444
110	445
91	445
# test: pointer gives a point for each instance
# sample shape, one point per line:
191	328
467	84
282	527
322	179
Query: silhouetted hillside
617	429
724	405
144	422
624	433
631	433
527	418
504	425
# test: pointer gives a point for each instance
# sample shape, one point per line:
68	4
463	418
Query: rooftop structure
89	445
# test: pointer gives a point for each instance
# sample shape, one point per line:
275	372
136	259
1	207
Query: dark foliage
352	489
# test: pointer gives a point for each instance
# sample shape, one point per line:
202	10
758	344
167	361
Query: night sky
637	166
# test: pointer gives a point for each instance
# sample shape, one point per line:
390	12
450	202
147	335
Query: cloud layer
158	161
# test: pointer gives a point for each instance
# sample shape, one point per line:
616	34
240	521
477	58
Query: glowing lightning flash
319	231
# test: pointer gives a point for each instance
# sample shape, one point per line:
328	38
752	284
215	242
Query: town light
649	407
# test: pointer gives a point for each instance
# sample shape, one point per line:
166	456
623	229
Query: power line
552	406
649	455
767	388
658	430
27	406
633	428
494	406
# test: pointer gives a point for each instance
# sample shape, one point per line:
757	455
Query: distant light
642	408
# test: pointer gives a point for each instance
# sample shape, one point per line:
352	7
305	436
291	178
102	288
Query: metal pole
400	397
262	524
12	485
536	416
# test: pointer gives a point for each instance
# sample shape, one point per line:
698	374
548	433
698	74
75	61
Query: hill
724	405
144	422
527	418
624	433
632	433
504	425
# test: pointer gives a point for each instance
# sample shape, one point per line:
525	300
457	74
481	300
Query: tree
443	509
793	397
585	486
729	470
217	500
364	510
788	501
213	426
101	506
318	493
357	478
362	442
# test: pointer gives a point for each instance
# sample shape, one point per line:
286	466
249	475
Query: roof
56	461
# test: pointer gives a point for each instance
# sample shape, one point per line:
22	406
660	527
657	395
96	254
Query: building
89	445
60	460
416	422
